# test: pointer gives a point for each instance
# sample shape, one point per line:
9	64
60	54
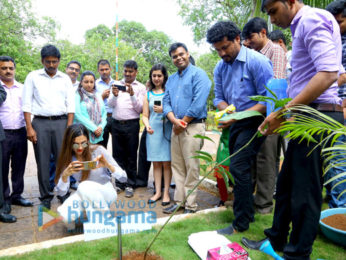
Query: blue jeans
334	202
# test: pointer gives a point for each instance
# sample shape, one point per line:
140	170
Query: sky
77	16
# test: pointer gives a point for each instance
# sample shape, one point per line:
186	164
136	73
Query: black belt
52	117
196	121
124	122
12	131
326	107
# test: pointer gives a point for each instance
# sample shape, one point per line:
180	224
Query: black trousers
14	149
240	168
107	131
50	135
298	198
143	164
2	200
125	139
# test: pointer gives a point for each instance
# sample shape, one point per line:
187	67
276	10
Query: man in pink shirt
127	106
14	147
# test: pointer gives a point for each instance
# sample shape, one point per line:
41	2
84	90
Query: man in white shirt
48	95
72	70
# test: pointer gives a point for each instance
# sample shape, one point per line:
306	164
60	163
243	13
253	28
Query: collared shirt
126	107
342	88
245	77
277	55
187	93
102	86
48	96
316	47
75	85
11	113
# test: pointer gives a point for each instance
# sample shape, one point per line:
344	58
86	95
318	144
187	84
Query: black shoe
7	218
227	231
20	201
73	185
150	201
63	198
6	208
189	211
220	204
170	209
165	203
252	244
45	203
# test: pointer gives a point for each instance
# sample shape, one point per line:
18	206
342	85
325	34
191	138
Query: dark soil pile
134	255
337	221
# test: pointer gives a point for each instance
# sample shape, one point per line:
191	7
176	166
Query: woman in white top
95	191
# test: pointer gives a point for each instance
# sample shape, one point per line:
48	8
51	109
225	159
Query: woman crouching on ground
95	191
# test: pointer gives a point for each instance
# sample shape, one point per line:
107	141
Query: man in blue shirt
241	73
185	105
103	87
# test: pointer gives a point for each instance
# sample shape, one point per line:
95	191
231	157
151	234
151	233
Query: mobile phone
157	102
89	165
120	87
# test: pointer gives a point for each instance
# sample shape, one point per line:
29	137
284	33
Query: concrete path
25	230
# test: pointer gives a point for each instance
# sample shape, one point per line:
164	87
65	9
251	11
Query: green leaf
282	102
204	137
335	177
262	99
202	157
271	92
240	115
203	167
205	153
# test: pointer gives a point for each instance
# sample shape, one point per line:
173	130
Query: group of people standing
174	110
54	110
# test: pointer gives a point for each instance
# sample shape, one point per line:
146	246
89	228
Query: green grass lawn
172	242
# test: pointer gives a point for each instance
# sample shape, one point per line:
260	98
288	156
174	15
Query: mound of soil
134	255
337	221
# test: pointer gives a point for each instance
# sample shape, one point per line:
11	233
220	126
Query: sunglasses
76	146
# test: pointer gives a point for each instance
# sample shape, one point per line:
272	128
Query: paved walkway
25	230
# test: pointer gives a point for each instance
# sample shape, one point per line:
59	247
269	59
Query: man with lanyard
103	87
316	61
48	95
127	105
241	73
185	105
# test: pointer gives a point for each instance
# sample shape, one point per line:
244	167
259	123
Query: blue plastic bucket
279	87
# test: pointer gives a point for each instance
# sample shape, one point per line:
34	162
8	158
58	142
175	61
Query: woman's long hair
66	153
161	68
79	89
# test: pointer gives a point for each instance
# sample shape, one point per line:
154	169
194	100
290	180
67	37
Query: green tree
19	27
201	14
152	45
207	62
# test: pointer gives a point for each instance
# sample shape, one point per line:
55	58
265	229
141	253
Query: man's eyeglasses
76	146
71	68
